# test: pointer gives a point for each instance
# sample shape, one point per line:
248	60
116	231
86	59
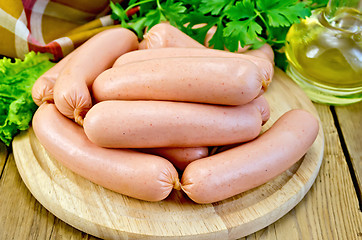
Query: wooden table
330	210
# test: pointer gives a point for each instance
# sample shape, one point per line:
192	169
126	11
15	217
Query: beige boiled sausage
165	35
135	174
252	164
42	90
71	91
216	80
258	57
150	124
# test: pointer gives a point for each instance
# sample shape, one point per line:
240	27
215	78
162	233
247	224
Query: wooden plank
350	121
22	217
3	156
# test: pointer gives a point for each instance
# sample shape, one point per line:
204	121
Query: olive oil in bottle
325	53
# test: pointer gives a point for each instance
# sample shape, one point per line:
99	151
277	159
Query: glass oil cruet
324	53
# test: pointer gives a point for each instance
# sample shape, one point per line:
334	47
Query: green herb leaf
198	25
285	13
212	6
244	32
118	13
217	40
174	12
138	26
243	9
16	103
244	22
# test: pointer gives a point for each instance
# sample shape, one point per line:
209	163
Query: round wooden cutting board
106	214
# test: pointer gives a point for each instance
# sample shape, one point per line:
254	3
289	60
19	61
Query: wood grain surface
106	214
334	201
3	156
350	119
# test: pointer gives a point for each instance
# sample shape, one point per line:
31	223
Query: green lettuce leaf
16	81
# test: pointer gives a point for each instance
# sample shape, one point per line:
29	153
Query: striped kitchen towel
53	26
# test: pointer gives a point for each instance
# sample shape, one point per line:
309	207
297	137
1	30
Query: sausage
147	54
71	90
180	157
264	109
263	106
152	124
252	164
42	90
135	174
266	67
165	35
229	81
265	52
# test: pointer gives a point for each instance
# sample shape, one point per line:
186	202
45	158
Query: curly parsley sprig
238	22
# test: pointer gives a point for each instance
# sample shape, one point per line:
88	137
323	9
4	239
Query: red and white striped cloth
54	26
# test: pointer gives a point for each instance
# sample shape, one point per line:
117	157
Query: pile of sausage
132	116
